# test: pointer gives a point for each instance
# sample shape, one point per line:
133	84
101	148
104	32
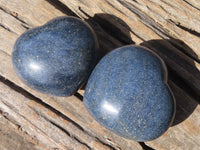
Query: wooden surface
31	120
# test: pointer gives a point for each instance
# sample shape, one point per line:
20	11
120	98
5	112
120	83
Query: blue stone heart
128	94
56	58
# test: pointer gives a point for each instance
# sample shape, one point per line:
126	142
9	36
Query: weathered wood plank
10	139
32	13
193	3
59	130
116	23
38	138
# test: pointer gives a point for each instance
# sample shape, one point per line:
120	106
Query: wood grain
11	139
171	29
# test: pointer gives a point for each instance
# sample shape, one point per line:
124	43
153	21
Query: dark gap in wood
79	96
146	20
6	28
145	147
26	27
189	30
62	129
191	5
65	131
4	10
183	84
82	143
135	1
22	21
37	100
20	131
79	8
185	28
16	17
7	116
62	7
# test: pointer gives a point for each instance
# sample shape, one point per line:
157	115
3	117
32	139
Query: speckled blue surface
56	58
127	94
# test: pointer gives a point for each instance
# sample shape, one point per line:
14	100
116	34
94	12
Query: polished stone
127	93
56	58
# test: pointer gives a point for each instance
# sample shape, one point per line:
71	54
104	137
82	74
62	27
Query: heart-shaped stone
57	57
128	94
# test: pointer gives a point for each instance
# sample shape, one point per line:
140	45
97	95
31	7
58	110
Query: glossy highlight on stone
128	94
56	58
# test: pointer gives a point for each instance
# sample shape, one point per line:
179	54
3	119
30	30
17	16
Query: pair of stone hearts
127	91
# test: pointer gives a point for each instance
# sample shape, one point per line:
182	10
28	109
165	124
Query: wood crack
62	7
148	21
34	98
20	130
61	128
69	134
24	24
6	28
191	5
79	96
37	100
188	30
145	147
178	24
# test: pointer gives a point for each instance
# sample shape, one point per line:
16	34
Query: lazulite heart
128	94
56	58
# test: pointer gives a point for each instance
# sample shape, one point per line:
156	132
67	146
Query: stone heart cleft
56	58
128	94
